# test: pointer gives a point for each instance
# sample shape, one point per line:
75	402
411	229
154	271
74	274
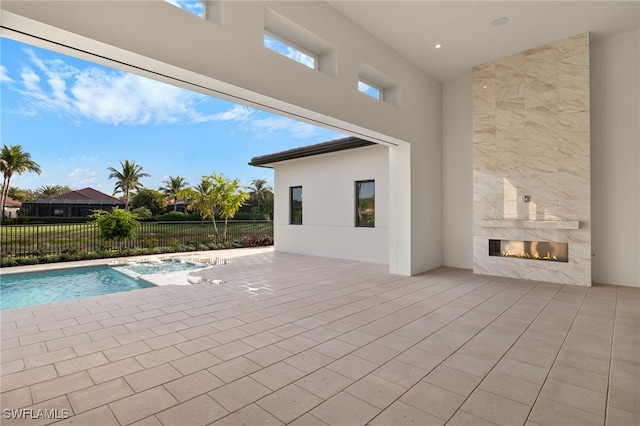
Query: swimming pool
35	288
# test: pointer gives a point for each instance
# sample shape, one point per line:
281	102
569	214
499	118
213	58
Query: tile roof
12	203
350	142
81	196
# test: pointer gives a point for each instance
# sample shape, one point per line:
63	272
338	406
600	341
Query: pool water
156	267
35	288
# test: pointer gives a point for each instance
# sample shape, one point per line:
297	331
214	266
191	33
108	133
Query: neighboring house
331	199
11	208
78	203
178	206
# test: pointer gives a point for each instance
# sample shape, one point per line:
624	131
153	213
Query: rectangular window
366	203
369	89
295	205
194	7
291	52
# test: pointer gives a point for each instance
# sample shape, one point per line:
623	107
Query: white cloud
106	96
51	86
236	114
296	129
82	177
4	77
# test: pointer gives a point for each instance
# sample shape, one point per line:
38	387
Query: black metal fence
52	239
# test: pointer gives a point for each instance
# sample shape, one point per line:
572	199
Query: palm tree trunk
225	229
215	228
5	193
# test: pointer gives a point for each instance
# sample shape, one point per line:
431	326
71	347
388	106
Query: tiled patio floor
302	340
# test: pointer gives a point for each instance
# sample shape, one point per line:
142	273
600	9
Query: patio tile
345	409
196	362
193	385
268	355
462	418
148	421
376	391
231	350
199	411
616	416
126	351
453	380
234	369
307	420
48	358
65	342
401	373
197	345
434	400
495	408
551	413
309	360
152	377
352	367
28	377
43	391
277	375
101	416
141	405
511	387
17	398
240	393
625	399
115	369
400	413
250	415
345	371
289	403
158	357
324	383
135	336
522	370
80	363
296	344
95	396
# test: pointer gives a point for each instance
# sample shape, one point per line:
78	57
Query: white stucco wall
615	164
457	174
615	159
328	209
156	39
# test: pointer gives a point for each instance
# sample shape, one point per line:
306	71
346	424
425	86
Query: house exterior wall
328	206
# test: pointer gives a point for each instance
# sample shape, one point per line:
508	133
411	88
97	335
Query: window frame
357	220
292	211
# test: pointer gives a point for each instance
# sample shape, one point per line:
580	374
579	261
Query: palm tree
127	179
14	160
259	192
47	191
172	187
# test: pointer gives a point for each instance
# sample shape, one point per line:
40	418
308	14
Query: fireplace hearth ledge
536	224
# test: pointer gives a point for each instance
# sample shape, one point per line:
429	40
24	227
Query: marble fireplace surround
531	141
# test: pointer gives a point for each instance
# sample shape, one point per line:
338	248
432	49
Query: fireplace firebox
534	250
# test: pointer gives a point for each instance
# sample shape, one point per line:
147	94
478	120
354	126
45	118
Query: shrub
142	213
117	226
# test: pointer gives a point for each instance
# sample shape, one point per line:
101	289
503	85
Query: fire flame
525	255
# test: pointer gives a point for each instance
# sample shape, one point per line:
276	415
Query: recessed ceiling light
438	46
499	21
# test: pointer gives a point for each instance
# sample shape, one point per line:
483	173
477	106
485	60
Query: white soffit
464	29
